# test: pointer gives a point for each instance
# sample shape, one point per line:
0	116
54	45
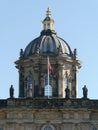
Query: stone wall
20	115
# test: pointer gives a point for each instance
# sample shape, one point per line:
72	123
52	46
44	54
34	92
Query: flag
50	68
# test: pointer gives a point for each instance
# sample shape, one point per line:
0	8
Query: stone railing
3	103
49	103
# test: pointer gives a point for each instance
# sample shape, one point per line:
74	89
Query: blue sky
76	21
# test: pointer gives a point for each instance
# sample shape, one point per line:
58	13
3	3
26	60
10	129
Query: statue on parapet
85	91
11	91
75	54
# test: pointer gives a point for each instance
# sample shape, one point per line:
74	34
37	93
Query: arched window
48	128
48	26
1	129
94	128
48	88
29	82
28	91
65	83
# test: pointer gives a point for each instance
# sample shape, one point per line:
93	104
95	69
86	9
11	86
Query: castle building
48	88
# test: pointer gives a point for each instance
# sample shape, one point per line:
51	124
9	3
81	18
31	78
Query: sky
76	21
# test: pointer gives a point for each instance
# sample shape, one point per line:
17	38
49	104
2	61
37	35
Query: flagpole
48	74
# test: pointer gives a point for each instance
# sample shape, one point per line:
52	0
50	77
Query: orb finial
48	13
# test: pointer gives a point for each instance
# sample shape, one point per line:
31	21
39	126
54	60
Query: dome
48	43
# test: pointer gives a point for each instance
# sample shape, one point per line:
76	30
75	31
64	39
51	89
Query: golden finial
48	12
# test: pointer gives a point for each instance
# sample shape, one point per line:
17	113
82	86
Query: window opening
48	26
48	128
29	82
48	88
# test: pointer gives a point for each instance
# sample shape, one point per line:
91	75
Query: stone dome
48	43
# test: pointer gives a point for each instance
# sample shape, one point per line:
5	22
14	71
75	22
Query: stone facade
53	114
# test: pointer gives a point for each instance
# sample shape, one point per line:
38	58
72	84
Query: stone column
74	81
21	81
60	80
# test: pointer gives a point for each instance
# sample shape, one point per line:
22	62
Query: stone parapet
45	103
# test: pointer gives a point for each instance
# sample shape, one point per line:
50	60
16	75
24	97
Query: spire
48	23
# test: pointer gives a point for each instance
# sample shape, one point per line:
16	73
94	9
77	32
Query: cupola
32	65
